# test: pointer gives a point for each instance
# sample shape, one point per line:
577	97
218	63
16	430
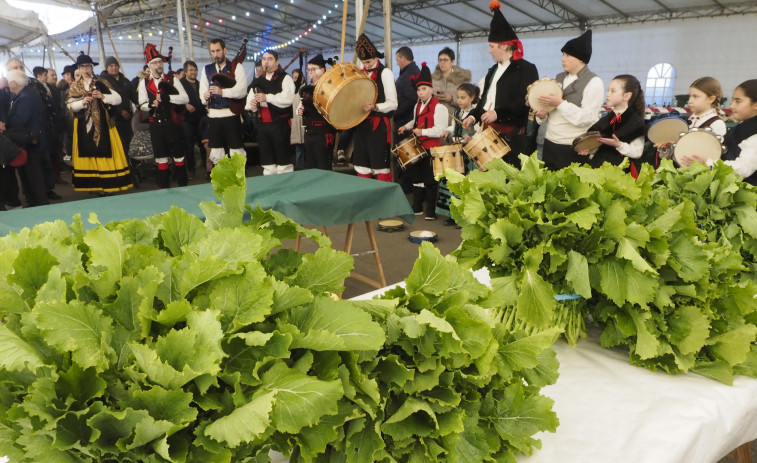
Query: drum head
419	236
542	87
700	142
347	87
587	142
667	129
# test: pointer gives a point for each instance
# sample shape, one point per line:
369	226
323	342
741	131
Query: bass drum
340	93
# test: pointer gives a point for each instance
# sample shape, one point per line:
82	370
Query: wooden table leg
742	454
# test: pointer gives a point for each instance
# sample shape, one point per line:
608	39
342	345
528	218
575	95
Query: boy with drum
503	100
578	107
429	123
373	136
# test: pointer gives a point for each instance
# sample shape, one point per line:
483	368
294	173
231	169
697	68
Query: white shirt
144	99
390	93
568	121
237	91
746	164
718	127
283	99
463	114
632	150
491	96
441	116
112	98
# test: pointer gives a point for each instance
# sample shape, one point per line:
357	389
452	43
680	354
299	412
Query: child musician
622	129
429	122
319	134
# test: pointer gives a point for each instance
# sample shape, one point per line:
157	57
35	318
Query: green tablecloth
311	197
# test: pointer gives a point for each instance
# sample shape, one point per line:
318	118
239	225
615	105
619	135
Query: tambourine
667	129
390	225
542	87
419	236
587	142
698	141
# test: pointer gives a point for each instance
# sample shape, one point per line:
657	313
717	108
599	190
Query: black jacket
510	103
123	87
193	91
406	96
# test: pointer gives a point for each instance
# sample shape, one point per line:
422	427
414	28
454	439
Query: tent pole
388	33
100	42
180	18
189	32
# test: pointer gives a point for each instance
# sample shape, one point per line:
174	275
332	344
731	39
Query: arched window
661	79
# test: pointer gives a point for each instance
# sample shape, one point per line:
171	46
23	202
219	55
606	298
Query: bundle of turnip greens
174	339
664	265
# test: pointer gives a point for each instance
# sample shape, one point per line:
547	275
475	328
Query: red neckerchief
373	73
615	120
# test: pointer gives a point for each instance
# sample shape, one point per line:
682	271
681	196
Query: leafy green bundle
171	339
677	292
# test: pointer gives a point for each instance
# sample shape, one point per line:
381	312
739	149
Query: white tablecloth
613	412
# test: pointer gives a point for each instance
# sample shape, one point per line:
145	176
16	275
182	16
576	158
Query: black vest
309	113
216	101
273	87
629	128
163	112
735	136
381	95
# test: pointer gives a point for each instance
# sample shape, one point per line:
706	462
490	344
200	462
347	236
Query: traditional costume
629	127
99	161
319	134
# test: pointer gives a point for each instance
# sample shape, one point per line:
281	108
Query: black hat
84	59
365	48
500	30
580	47
320	62
151	53
70	69
423	77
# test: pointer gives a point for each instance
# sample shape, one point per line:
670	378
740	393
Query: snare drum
447	157
409	151
340	93
485	146
698	141
667	129
587	142
542	87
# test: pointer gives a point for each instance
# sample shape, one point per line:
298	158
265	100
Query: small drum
390	225
697	141
419	236
587	142
542	87
447	157
409	151
340	93
485	146
667	129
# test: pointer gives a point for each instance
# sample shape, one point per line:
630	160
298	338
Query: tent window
661	79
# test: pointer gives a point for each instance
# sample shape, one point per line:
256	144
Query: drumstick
457	120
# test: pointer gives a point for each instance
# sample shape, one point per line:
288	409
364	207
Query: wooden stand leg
373	250
742	454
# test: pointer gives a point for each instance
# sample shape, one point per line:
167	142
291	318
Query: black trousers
191	137
557	156
225	132
273	142
371	146
125	132
319	144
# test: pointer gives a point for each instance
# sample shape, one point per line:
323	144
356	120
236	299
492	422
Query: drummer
622	129
373	136
319	134
740	141
429	123
576	110
503	105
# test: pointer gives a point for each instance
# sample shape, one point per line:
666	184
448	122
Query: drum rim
685	127
537	83
318	85
709	136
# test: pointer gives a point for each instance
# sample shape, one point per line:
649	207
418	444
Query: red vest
425	120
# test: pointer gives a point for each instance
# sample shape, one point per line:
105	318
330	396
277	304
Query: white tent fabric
18	27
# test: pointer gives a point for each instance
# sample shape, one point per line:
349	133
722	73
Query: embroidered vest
425	120
163	112
216	101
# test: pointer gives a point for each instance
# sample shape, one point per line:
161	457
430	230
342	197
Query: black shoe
449	222
53	195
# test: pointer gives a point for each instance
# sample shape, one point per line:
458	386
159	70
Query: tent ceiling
412	21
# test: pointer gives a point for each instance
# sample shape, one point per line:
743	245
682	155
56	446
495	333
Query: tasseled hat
423	77
501	32
580	47
320	62
151	54
365	48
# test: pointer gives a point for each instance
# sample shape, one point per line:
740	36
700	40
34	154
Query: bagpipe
224	80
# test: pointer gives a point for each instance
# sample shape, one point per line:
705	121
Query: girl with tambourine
740	141
622	129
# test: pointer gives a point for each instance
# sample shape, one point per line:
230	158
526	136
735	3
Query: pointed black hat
580	47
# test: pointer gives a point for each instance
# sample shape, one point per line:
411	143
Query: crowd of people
86	121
